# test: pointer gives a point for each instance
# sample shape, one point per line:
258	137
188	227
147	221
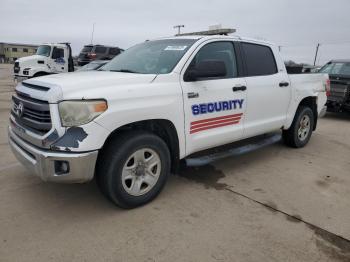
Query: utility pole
178	28
92	34
317	47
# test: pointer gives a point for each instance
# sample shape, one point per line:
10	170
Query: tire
299	133
125	166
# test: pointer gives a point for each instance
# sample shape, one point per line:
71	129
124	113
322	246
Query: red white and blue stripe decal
215	122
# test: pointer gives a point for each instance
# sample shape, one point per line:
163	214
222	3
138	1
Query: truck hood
78	85
28	61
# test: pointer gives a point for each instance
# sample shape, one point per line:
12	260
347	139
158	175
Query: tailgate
340	89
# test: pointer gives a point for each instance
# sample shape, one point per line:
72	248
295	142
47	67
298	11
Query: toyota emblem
19	109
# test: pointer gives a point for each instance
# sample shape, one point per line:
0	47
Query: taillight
91	55
328	87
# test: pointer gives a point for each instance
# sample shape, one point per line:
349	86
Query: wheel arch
40	73
310	101
163	128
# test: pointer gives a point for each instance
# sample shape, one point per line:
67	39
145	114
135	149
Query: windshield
336	69
44	50
151	57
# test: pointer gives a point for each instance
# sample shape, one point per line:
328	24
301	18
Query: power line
333	43
179	28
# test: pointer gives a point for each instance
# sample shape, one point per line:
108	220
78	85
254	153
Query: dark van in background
97	52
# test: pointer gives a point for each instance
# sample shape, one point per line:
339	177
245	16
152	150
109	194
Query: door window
57	53
221	51
259	60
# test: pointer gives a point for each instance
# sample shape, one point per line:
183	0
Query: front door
59	62
214	107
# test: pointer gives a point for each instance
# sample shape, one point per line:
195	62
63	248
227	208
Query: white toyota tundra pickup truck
130	123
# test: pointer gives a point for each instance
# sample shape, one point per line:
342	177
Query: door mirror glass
206	69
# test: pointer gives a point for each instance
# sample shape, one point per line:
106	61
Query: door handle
239	88
284	84
192	95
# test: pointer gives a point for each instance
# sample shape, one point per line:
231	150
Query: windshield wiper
125	71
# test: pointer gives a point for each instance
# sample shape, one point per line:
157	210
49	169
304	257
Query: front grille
32	114
16	68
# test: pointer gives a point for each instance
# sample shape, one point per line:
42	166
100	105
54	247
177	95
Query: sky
295	25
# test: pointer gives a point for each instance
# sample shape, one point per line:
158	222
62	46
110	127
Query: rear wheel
298	135
133	168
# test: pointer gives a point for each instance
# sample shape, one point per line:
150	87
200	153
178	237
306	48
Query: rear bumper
46	164
323	112
337	106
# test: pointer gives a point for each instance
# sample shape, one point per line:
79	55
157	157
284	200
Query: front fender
41	69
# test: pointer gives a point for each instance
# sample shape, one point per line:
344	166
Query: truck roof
55	44
208	37
340	61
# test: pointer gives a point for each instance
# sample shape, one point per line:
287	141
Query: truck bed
311	82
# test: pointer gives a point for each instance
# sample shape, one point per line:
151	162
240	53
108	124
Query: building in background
10	52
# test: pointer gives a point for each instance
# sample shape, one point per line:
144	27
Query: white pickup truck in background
130	123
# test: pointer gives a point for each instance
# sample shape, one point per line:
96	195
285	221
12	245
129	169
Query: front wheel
299	133
133	168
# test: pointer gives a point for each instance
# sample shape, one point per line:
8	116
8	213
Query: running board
207	159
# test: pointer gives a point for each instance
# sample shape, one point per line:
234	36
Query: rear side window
87	48
259	60
114	51
100	50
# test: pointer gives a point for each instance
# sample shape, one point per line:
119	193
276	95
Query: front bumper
44	163
19	79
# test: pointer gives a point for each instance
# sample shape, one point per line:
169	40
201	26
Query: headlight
77	113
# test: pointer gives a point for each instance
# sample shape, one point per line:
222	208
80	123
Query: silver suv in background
97	52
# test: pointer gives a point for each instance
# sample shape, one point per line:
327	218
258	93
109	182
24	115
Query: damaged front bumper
63	167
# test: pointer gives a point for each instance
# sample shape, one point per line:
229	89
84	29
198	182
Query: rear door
214	107
268	89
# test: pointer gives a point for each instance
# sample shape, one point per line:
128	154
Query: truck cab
49	59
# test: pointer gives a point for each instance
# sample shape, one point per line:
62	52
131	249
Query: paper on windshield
175	47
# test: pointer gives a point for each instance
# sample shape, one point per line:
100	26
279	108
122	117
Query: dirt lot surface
273	204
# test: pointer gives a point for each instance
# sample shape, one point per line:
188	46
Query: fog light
61	167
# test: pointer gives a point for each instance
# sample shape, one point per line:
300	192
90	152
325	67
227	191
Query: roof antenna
92	34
